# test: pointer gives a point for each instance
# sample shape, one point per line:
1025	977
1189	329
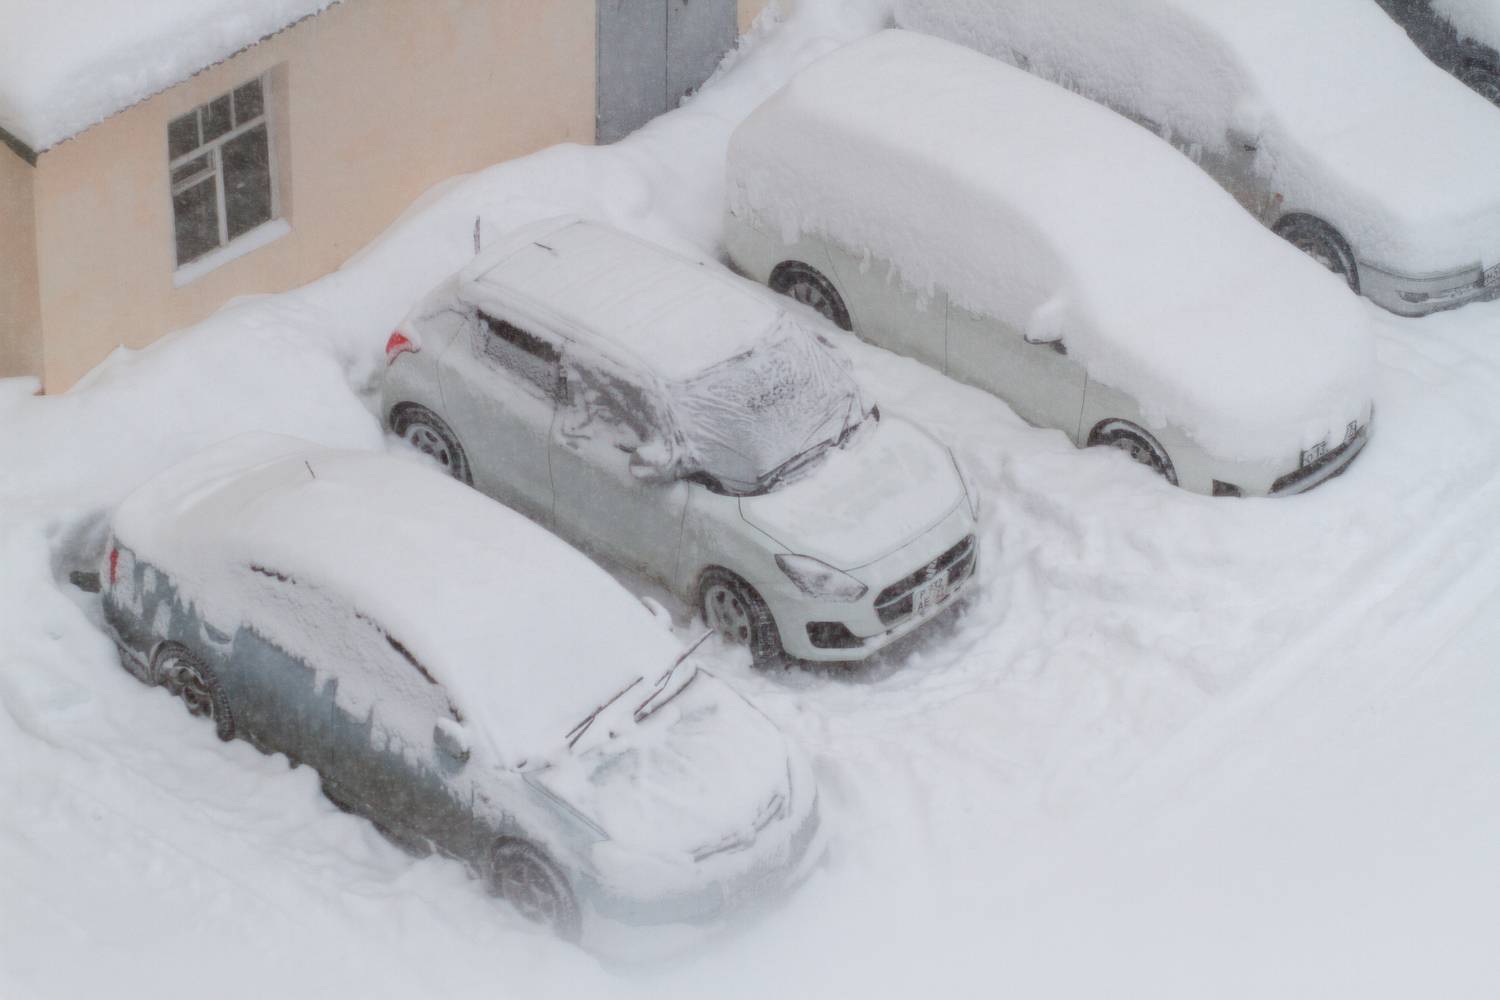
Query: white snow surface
484	599
1353	122
1476	19
1031	204
1172	747
66	66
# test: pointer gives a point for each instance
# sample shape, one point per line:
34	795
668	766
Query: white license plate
1314	453
1492	276
931	594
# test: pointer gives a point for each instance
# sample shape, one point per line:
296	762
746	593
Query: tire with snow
733	609
187	677
1322	243
524	876
1483	82
428	433
1136	442
807	285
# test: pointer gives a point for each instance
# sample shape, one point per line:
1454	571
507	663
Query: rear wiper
576	733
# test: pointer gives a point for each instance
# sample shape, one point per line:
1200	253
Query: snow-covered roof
526	633
1029	203
677	315
65	66
1476	19
1354	123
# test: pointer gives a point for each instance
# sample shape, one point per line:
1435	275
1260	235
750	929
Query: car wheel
733	609
187	677
1135	442
807	285
523	875
1322	243
428	433
1483	82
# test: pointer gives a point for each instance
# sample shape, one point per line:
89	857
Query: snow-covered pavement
1172	747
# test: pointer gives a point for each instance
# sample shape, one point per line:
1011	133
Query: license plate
1492	276
931	594
1315	453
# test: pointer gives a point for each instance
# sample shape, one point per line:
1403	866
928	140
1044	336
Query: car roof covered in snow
1027	203
526	634
675	315
66	66
1357	125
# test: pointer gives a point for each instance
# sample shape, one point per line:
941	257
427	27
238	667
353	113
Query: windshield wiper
576	733
661	694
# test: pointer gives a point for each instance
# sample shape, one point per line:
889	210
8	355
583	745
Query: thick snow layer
66	66
1172	747
1353	123
485	600
1476	19
1033	205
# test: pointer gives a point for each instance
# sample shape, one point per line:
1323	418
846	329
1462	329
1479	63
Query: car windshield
753	420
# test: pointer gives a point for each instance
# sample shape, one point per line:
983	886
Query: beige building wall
380	99
20	309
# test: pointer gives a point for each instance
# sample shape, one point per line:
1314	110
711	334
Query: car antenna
476	236
310	471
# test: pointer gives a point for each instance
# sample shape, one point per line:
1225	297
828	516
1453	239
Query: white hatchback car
1319	116
463	679
1029	242
677	421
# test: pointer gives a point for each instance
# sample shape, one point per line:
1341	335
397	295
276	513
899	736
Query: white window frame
210	259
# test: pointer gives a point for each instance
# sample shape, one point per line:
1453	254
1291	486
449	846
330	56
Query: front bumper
1419	295
1328	465
907	589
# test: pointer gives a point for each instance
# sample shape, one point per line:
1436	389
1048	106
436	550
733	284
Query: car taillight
114	566
398	345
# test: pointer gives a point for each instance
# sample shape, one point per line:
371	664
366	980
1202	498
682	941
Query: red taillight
398	345
114	566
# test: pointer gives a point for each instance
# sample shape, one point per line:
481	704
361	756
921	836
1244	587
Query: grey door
652	53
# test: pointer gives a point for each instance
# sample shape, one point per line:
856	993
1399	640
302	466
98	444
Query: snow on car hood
1029	204
701	776
1354	124
864	501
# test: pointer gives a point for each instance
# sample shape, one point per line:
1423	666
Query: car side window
531	358
609	407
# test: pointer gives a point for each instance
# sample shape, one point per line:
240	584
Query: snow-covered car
462	678
1321	118
1029	242
1461	36
681	423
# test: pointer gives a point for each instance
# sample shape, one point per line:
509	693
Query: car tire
428	433
524	876
1322	243
733	609
187	677
1136	442
807	285
1483	82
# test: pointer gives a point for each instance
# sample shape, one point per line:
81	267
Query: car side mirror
1242	140
650	464
451	740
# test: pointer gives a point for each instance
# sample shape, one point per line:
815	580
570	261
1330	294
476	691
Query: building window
220	160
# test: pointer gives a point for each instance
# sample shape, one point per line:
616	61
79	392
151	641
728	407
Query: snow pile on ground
1476	19
1172	746
66	66
1319	87
1030	204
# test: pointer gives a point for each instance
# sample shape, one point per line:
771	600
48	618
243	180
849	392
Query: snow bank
485	600
1353	123
1030	204
1476	19
66	66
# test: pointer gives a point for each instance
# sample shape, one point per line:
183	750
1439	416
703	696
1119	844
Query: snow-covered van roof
677	315
1353	123
65	66
1028	203
526	633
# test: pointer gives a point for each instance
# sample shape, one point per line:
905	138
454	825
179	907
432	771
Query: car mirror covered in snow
451	740
652	463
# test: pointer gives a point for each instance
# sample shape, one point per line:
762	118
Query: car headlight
816	578
971	488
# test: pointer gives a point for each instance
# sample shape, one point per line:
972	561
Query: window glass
247	181
216	119
524	354
192	168
182	135
610	407
249	103
196	211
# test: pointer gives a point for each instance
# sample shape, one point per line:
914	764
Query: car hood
891	483
700	777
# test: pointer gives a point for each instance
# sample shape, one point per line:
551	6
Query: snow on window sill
262	235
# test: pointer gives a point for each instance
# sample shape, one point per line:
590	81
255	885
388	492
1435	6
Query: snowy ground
1172	747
